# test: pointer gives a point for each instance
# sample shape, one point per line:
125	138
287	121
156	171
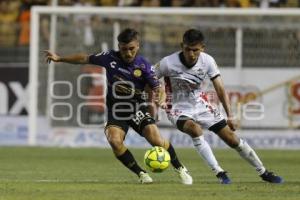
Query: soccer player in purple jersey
127	76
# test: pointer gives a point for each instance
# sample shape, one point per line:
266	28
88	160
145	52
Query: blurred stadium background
255	43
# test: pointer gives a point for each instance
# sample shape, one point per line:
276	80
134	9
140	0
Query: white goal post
200	17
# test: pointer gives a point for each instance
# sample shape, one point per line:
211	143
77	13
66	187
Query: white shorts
202	112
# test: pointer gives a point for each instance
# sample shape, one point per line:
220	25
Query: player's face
129	50
191	52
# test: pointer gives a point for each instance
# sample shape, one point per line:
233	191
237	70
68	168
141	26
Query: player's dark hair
193	36
128	35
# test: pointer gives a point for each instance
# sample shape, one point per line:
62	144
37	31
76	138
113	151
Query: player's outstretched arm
220	90
79	58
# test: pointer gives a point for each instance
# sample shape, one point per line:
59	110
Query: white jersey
184	88
182	83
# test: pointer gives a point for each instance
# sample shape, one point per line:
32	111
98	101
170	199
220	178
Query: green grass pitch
28	173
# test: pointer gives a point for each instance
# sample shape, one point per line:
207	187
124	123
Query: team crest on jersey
199	72
137	73
142	66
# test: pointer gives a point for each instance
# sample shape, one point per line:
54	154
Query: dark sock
128	160
174	160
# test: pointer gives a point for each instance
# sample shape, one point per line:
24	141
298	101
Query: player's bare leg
152	135
194	130
246	152
115	137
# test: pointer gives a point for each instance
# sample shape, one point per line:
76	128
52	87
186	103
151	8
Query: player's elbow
84	59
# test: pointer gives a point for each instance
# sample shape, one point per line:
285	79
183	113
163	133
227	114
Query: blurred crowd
165	3
15	14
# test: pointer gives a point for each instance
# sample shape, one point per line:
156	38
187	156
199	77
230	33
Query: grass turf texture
94	174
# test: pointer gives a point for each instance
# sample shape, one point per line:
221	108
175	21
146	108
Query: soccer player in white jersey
188	109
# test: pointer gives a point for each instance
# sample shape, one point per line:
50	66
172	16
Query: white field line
53	181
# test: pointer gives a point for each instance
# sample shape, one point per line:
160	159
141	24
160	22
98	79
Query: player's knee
147	125
115	143
166	144
149	128
233	143
156	140
192	128
157	143
230	139
160	142
152	135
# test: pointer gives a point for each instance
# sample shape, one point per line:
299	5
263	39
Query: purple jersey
125	78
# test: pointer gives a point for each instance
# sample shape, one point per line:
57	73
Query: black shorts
214	128
123	116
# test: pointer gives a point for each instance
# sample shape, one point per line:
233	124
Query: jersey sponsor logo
137	73
124	70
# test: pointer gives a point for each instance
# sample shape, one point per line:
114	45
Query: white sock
249	154
206	153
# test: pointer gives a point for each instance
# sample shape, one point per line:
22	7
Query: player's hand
155	95
162	100
51	56
232	124
163	105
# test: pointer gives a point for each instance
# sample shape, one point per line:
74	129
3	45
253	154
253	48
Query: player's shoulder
172	56
141	59
142	62
206	58
170	59
205	55
113	54
103	54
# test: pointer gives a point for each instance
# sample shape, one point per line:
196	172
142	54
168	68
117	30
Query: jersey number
139	116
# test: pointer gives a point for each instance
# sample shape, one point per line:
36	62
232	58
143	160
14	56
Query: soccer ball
157	159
